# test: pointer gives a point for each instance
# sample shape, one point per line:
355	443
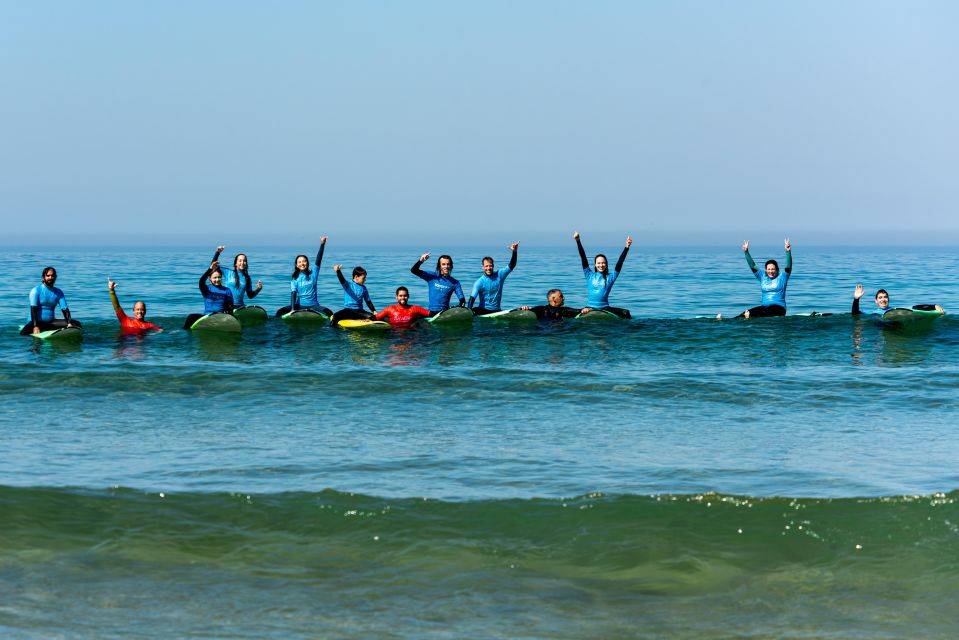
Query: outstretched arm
855	300
216	254
582	251
415	269
789	257
319	253
749	258
206	274
622	256
113	296
512	259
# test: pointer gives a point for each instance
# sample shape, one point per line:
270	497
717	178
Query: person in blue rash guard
488	289
216	297
772	282
238	278
354	295
44	300
442	285
882	304
599	281
303	284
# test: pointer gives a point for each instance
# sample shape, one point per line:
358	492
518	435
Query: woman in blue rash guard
772	282
355	294
238	278
487	291
303	284
216	297
44	300
441	284
599	281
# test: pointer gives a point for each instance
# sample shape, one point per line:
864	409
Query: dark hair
881	291
217	270
398	289
552	291
45	270
450	258
359	271
603	256
245	272
772	262
297	271
485	258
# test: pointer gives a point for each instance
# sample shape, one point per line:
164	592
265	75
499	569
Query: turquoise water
669	476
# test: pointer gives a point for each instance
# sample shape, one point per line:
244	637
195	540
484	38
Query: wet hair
450	258
245	272
551	292
217	270
772	262
485	258
43	274
296	271
359	271
881	291
398	289
603	256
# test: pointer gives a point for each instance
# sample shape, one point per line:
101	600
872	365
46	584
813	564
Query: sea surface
670	476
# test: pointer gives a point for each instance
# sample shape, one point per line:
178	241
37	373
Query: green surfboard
63	333
909	316
305	317
218	322
454	315
510	315
250	315
598	314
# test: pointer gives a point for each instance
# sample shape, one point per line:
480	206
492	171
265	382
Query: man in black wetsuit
555	309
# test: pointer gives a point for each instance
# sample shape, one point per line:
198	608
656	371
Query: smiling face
302	263
216	278
600	265
556	299
488	266
139	310
772	269
403	297
446	265
49	277
240	262
882	299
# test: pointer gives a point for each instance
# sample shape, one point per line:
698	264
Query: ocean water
670	476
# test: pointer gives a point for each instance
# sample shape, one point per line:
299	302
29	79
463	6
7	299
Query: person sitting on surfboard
135	325
44	299
555	310
354	295
238	278
402	314
599	281
488	289
216	297
303	284
772	282
441	284
882	303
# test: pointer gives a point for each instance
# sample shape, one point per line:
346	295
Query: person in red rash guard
402	315
135	325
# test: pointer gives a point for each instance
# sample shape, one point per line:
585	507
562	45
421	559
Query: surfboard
250	314
907	316
363	325
222	322
453	315
511	315
63	333
305	316
598	314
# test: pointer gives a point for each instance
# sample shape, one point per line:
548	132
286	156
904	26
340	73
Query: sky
395	121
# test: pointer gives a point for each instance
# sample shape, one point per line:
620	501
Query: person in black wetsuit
555	309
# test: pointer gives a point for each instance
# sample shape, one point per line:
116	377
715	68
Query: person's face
139	311
302	264
403	296
241	262
556	299
446	265
600	264
488	267
216	278
772	270
359	279
882	300
49	278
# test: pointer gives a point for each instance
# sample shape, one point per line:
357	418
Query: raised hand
858	293
745	245
220	249
259	285
425	257
629	241
336	267
111	285
323	239
514	246
576	235
787	245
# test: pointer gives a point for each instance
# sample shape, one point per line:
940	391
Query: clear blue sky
669	120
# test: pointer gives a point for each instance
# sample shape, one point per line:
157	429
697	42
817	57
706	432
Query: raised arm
206	274
855	300
512	259
789	257
319	253
111	285
216	254
749	258
622	256
582	251
415	269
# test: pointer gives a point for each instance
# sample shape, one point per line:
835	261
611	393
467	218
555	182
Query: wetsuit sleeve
512	260
319	256
469	303
582	254
293	300
35	314
216	256
116	305
622	259
421	312
459	292
343	283
416	271
369	302
474	293
750	262
66	315
855	307
789	262
250	291
569	312
382	314
203	288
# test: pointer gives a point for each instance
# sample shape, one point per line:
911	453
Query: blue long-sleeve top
773	289
441	288
598	284
354	294
216	298
487	291
303	286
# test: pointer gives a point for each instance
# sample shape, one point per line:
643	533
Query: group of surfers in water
227	289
